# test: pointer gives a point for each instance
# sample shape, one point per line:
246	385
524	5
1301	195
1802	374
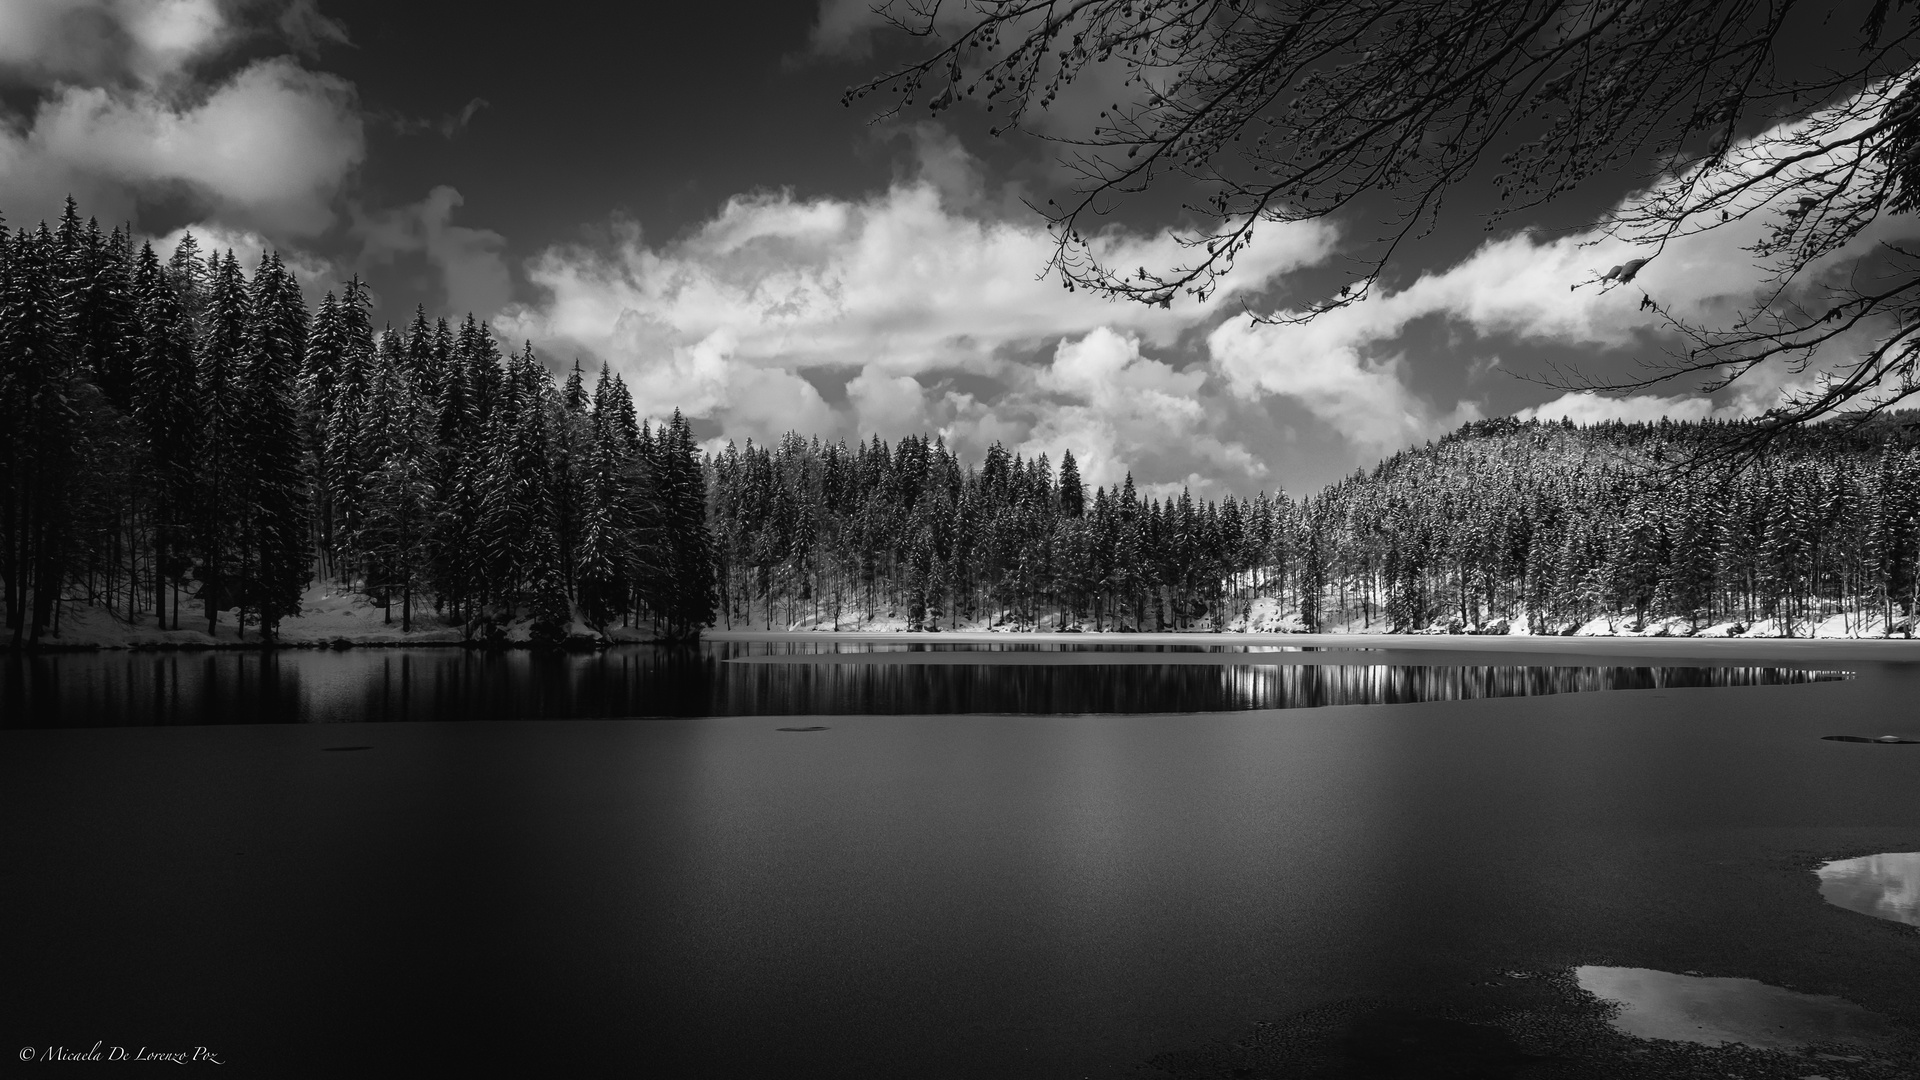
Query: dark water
109	689
1010	894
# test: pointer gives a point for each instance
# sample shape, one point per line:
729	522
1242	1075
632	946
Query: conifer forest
182	441
1502	526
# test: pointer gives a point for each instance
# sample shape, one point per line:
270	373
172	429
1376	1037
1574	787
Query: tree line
180	431
1502	525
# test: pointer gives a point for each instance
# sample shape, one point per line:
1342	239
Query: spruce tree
221	472
39	457
399	489
682	594
276	484
167	409
1073	498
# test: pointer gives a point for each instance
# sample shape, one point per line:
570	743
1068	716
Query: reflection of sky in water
1886	886
1696	1009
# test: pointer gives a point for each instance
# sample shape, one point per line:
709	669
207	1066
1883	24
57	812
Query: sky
678	192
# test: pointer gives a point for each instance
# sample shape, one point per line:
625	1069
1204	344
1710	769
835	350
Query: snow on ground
1266	615
332	614
328	615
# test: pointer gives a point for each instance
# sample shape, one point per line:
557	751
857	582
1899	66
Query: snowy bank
330	617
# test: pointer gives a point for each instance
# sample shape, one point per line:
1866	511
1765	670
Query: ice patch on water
1886	886
1713	1011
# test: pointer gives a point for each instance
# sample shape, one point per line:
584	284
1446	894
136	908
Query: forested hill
1549	526
1502	526
181	434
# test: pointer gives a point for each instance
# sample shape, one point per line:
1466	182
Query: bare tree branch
1295	110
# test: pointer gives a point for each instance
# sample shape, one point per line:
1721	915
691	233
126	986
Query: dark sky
676	191
652	111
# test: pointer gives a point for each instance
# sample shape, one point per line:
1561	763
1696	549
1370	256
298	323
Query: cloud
315	273
887	405
1120	409
1117	410
470	262
896	281
1638	408
448	126
844	28
107	42
1365	399
766	403
303	26
268	149
1348	366
898	294
110	101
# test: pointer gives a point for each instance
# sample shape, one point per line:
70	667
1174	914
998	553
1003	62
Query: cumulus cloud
1347	366
470	262
1365	399
113	109
267	149
104	42
315	273
1118	410
896	294
1637	408
887	405
896	280
1518	285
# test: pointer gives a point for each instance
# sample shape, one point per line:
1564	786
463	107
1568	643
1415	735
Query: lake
117	688
1143	859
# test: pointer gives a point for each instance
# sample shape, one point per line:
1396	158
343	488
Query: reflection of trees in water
892	688
446	684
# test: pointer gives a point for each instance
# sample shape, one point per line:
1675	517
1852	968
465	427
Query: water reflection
1886	886
1713	1011
119	688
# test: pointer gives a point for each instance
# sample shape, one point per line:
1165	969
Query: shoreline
1868	650
1880	650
